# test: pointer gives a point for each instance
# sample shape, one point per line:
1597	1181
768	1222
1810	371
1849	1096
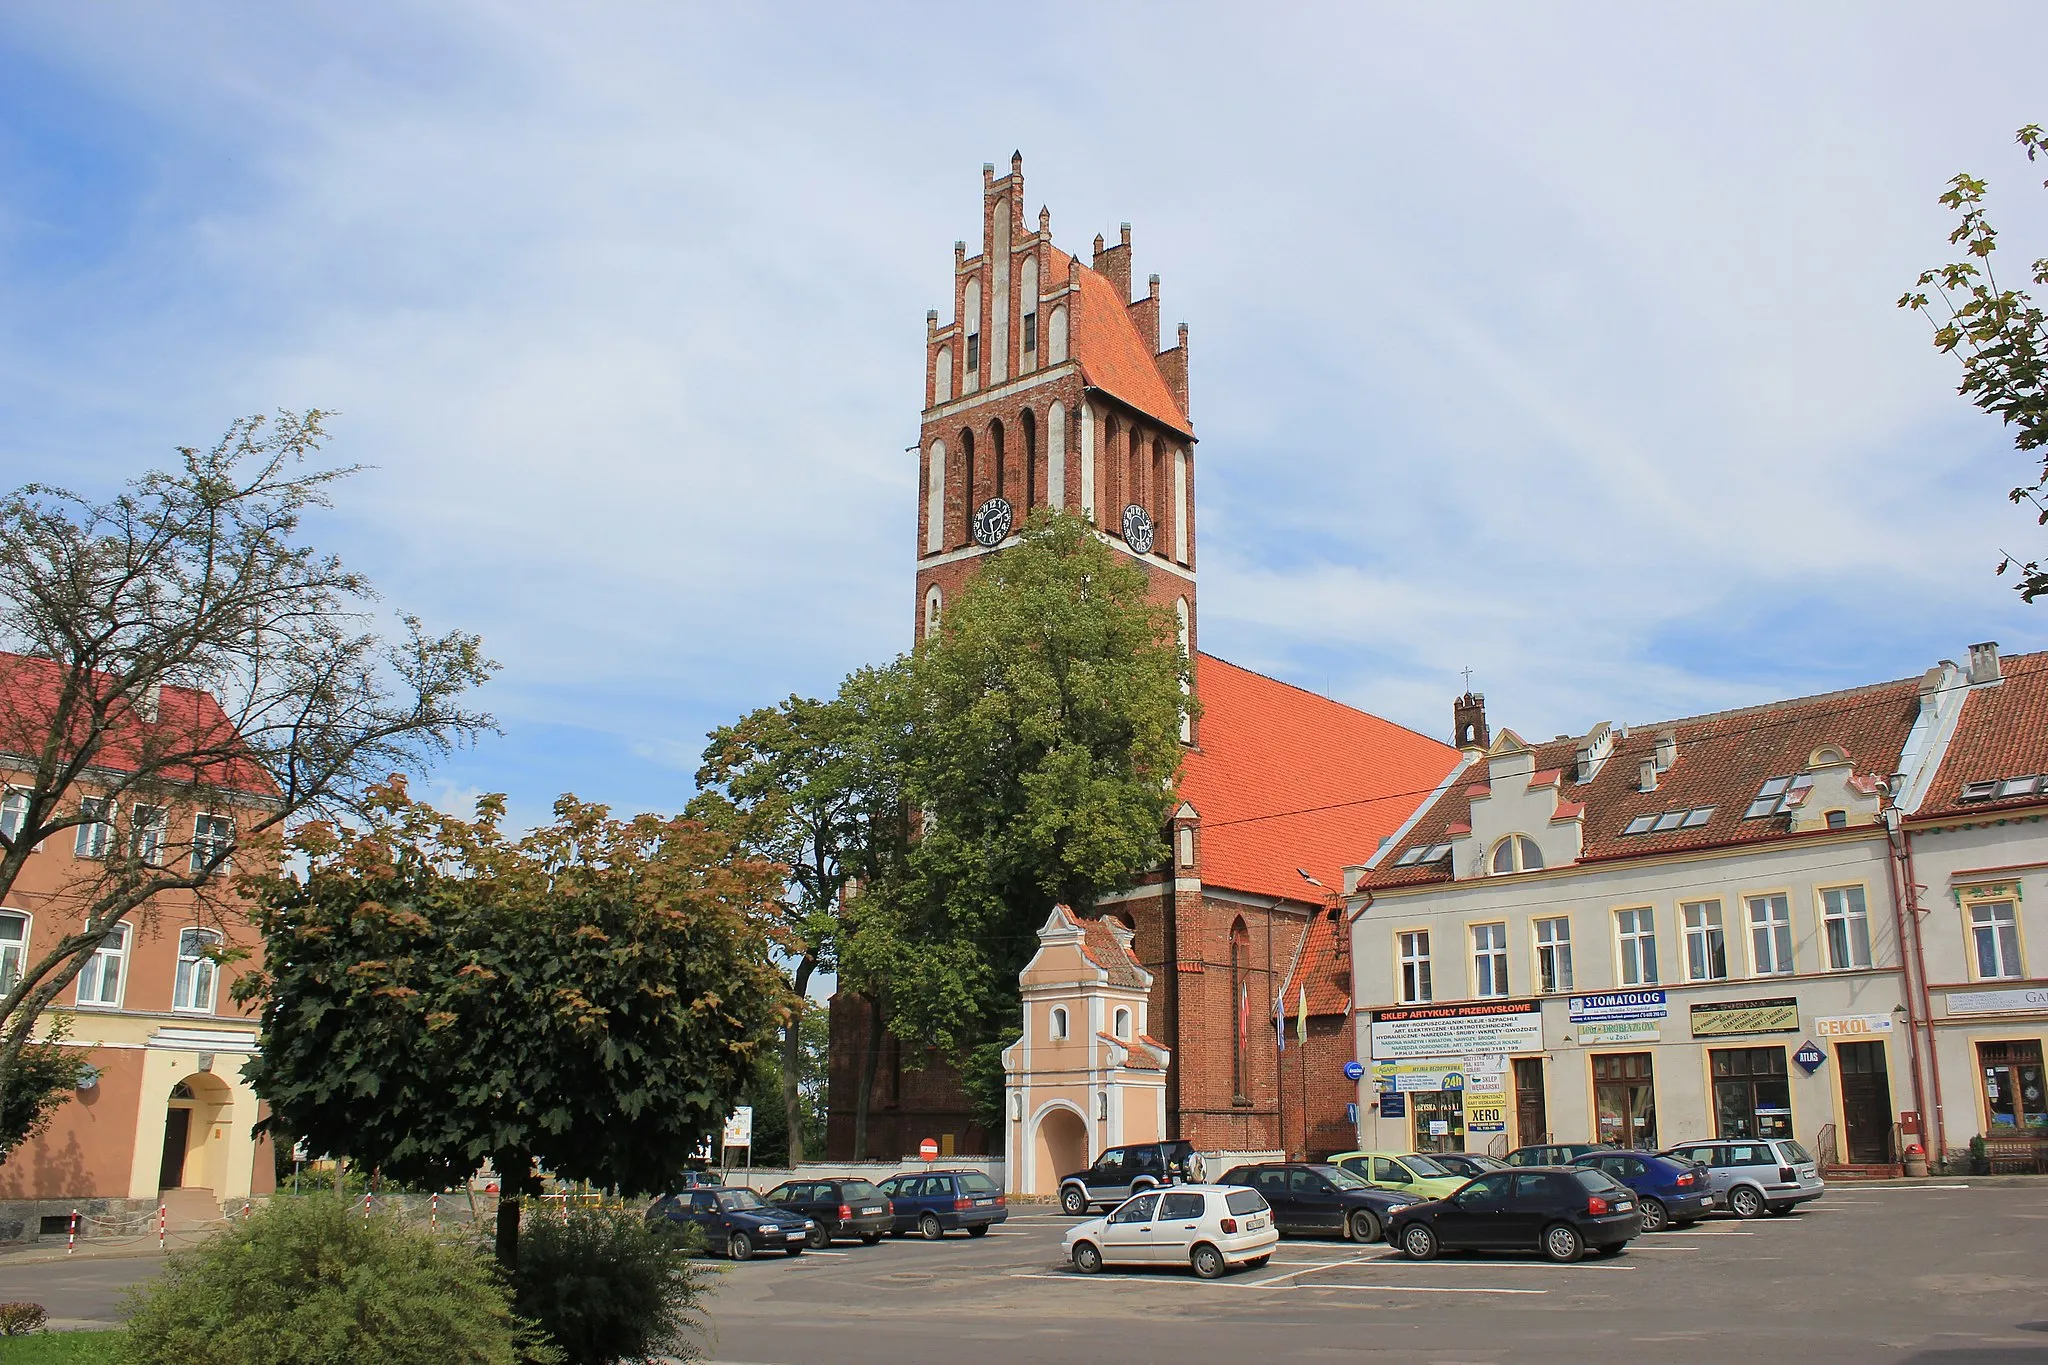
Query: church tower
1048	388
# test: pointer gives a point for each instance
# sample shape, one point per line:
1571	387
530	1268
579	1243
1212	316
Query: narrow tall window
1706	942
1554	954
933	605
1770	935
1031	332
1846	918
212	837
92	836
13	948
1056	340
1415	983
1059	1024
1029	424
1056	455
13	812
1994	931
1490	960
1637	931
197	971
1241	1006
1180	506
1002	473
146	840
935	499
973	352
942	377
1181	621
968	491
970	323
105	972
1122	1027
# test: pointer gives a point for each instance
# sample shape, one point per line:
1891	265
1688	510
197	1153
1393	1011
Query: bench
2016	1153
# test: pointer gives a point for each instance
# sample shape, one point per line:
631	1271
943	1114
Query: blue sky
1554	341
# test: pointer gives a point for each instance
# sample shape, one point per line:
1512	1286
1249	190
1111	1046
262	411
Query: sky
1557	342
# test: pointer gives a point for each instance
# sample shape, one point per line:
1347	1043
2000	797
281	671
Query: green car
1409	1172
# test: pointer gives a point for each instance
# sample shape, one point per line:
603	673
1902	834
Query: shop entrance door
1625	1100
1532	1122
1866	1103
1439	1120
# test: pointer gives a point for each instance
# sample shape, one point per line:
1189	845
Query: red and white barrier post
434	1212
163	1227
366	1208
71	1237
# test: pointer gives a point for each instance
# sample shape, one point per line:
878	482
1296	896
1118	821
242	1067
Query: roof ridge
1307	692
1754	707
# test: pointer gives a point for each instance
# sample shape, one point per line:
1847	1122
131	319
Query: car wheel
1418	1243
1655	1216
1074	1200
1087	1258
796	1250
1562	1243
739	1247
1208	1262
819	1235
1362	1226
1745	1202
868	1239
929	1227
978	1230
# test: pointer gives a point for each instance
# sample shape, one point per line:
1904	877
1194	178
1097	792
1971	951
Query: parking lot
1924	1275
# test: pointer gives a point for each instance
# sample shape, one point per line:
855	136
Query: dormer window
1516	853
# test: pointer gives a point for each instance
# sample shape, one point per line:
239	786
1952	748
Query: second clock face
992	521
1138	529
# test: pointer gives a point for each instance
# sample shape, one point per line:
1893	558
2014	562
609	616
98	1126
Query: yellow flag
1301	1015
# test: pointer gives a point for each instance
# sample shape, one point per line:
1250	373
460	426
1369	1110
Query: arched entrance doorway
196	1123
1061	1148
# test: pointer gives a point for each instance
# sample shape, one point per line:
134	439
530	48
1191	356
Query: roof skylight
1778	795
1427	853
2004	788
1658	822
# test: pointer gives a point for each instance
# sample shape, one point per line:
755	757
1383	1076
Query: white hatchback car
1209	1228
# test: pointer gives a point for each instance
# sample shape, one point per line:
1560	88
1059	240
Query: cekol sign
1851	1025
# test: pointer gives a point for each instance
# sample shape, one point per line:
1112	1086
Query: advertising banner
1997	1002
1417	1031
1619	1005
1606	1033
1851	1026
1727	1018
1486	1100
1405	1077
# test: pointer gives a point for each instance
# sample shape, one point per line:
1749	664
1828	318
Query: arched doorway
1061	1148
196	1123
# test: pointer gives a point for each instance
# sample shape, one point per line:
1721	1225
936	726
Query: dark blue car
733	1221
933	1203
1668	1192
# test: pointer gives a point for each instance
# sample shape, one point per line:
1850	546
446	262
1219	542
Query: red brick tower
1048	388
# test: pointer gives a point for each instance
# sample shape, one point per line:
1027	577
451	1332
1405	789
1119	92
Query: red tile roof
1325	968
1113	357
1723	759
188	722
1100	943
2003	732
1347	778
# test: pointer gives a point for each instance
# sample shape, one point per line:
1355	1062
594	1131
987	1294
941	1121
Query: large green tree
2002	339
1042	752
591	998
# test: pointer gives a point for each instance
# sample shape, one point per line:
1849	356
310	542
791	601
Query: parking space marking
1321	1265
1398	1259
1425	1289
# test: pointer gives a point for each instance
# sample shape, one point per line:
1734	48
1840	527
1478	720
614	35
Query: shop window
1770	938
1415	983
1995	937
1706	943
2013	1090
1554	955
1752	1096
1489	960
1439	1120
1637	932
1625	1100
1846	919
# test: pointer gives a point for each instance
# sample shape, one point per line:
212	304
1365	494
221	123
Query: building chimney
1667	750
1468	722
1647	781
1984	667
150	704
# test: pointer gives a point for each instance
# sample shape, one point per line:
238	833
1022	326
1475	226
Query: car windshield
1795	1151
1598	1181
974	1182
857	1189
1341	1178
739	1199
1488	1163
1242	1201
1423	1166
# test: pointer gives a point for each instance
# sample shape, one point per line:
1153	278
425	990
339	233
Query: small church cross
1468	681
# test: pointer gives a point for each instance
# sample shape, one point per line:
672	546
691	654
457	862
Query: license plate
983	1203
1623	1205
875	1210
1254	1224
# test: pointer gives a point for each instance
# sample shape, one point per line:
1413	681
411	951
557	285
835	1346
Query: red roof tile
1100	944
1348	778
1325	968
1114	358
2003	732
1722	761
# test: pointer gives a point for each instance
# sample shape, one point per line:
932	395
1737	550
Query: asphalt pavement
1916	1276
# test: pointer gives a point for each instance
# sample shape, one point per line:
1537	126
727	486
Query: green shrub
605	1287
66	1348
312	1282
19	1319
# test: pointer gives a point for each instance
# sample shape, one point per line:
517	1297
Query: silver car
1752	1175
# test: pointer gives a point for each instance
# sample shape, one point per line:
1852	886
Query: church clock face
992	521
1138	529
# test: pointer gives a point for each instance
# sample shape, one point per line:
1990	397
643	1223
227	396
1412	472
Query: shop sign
1486	1101
1606	1033
1415	1031
1810	1057
1726	1018
1404	1077
1393	1105
1619	1005
1353	1070
1851	1025
1997	1002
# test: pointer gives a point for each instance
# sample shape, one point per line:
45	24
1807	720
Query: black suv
734	1221
1561	1211
1121	1172
1311	1200
836	1208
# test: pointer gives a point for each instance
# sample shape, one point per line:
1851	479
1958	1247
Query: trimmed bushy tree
606	1287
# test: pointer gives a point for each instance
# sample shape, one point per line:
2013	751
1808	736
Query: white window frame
98	831
147	826
1518	848
1553	954
1635	936
1490	961
93	974
14	951
1846	909
1120	1025
1770	939
196	971
1702	936
205	840
1057	1028
13	811
1416	982
2005	945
